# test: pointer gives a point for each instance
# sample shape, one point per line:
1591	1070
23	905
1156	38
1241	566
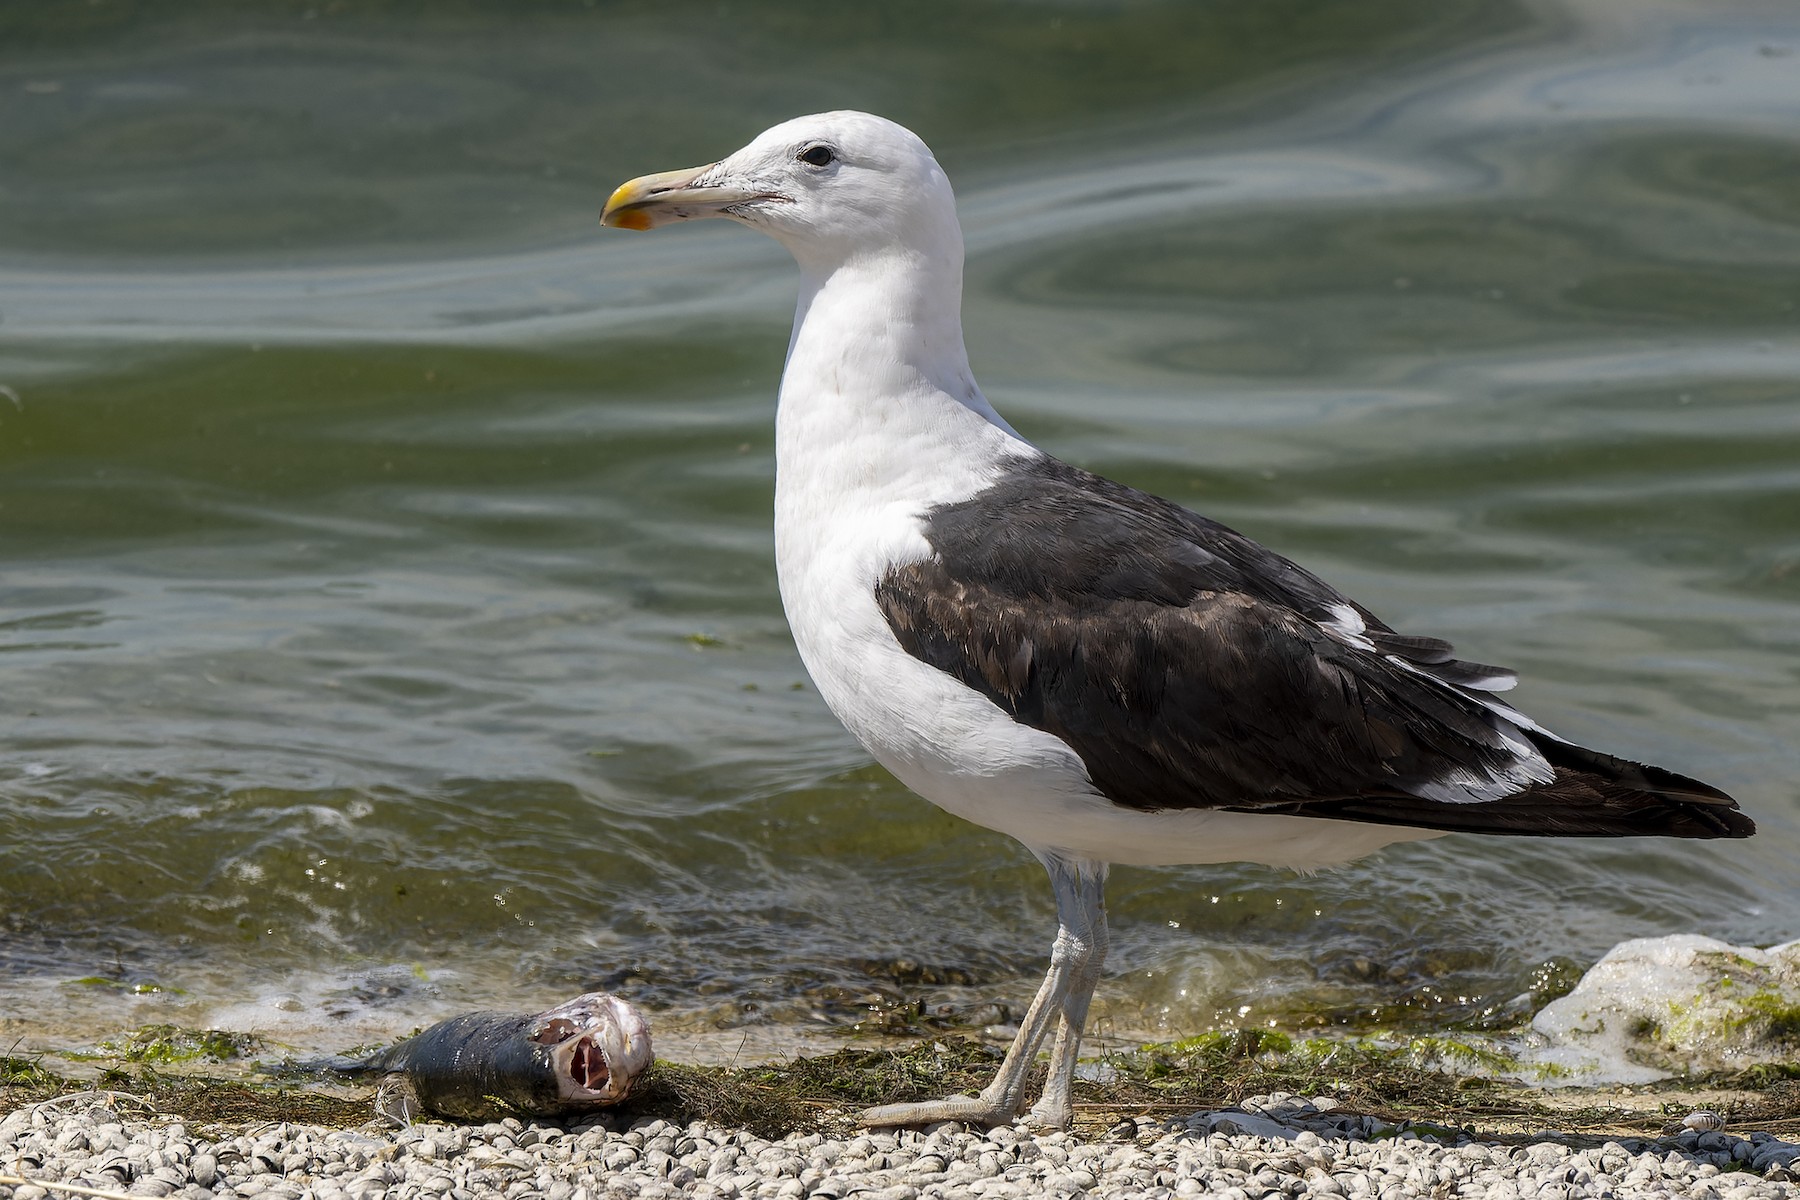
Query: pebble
1277	1147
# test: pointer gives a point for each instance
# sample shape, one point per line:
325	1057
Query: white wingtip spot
1348	624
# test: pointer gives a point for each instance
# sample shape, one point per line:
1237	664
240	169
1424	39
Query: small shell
1701	1120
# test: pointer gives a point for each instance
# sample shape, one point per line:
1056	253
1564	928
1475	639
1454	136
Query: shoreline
717	1133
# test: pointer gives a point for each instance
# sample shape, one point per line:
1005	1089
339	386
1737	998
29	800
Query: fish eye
818	156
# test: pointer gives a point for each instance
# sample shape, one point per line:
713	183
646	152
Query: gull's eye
818	156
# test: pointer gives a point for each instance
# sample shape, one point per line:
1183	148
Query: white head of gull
1098	672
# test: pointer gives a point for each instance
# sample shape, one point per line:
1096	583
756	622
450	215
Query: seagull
1099	673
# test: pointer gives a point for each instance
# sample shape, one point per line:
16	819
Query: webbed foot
976	1110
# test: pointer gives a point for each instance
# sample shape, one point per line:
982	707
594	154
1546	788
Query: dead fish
584	1054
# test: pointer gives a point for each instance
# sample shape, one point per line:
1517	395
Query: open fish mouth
587	1066
599	1046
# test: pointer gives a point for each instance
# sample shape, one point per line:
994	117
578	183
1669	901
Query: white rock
1655	1007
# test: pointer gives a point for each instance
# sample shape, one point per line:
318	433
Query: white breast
853	478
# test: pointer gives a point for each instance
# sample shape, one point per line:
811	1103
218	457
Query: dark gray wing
1189	667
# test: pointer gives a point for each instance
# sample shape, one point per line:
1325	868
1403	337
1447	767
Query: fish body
584	1054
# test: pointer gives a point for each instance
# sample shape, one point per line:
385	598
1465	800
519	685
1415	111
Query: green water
388	620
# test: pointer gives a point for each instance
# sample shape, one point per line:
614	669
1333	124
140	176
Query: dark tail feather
1593	795
1626	798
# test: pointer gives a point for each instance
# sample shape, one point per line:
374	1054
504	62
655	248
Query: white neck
880	418
883	325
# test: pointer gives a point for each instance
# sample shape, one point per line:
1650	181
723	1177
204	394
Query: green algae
1467	1055
1431	1129
1230	1043
169	1044
16	1071
1461	1053
1777	1015
1735	1017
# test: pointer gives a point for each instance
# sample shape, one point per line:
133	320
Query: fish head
598	1046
